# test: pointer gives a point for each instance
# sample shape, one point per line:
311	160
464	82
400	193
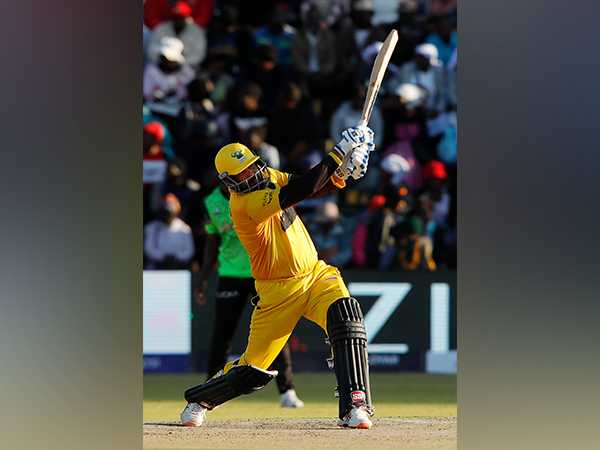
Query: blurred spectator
254	139
330	239
442	7
447	147
253	13
267	73
158	11
155	133
185	189
293	127
348	115
444	39
182	27
396	170
215	68
435	200
313	53
385	11
278	34
425	71
361	234
226	36
154	167
410	25
198	130
400	163
168	242
332	11
436	194
246	111
165	81
396	233
167	143
451	72
351	41
146	33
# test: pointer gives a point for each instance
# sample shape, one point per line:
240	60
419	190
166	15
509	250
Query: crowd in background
285	78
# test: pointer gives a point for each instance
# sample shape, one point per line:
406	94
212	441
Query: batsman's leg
272	322
348	339
340	316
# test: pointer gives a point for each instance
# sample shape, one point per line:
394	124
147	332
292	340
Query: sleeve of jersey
210	228
263	204
281	178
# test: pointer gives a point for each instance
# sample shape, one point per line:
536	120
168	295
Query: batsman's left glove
351	138
356	160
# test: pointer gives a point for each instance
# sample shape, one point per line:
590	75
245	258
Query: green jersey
233	259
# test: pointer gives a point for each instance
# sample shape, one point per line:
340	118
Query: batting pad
348	339
239	380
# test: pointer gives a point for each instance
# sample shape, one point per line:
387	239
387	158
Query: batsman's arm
332	185
309	184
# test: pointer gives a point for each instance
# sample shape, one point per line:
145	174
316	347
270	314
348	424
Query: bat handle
363	122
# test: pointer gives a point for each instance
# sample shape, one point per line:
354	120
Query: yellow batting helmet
233	158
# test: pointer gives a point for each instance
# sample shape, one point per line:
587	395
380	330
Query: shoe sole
360	426
191	424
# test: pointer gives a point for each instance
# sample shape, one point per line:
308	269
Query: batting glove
352	138
359	161
355	164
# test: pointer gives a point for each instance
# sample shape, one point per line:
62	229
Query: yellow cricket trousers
281	304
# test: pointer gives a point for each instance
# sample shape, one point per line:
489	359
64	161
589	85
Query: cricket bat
377	73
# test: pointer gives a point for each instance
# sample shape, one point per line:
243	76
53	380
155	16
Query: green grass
394	394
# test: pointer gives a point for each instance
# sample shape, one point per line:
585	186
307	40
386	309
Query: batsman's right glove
355	165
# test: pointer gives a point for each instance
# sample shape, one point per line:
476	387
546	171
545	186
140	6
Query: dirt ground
418	433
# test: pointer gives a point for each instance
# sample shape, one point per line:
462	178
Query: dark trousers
232	296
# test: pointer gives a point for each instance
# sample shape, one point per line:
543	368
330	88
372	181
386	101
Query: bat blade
377	73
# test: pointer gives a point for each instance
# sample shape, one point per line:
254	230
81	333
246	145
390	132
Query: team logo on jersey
267	198
238	154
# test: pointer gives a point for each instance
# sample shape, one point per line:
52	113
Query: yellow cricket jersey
277	241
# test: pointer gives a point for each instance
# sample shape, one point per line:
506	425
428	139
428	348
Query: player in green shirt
234	288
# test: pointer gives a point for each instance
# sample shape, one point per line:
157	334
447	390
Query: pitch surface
413	411
387	433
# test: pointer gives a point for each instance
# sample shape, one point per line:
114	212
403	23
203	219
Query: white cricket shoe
193	415
289	399
358	417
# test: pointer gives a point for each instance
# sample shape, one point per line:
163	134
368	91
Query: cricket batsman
291	281
235	287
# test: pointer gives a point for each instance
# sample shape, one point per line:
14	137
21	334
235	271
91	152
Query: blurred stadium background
285	77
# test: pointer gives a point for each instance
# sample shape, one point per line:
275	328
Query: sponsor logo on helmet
238	154
358	396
